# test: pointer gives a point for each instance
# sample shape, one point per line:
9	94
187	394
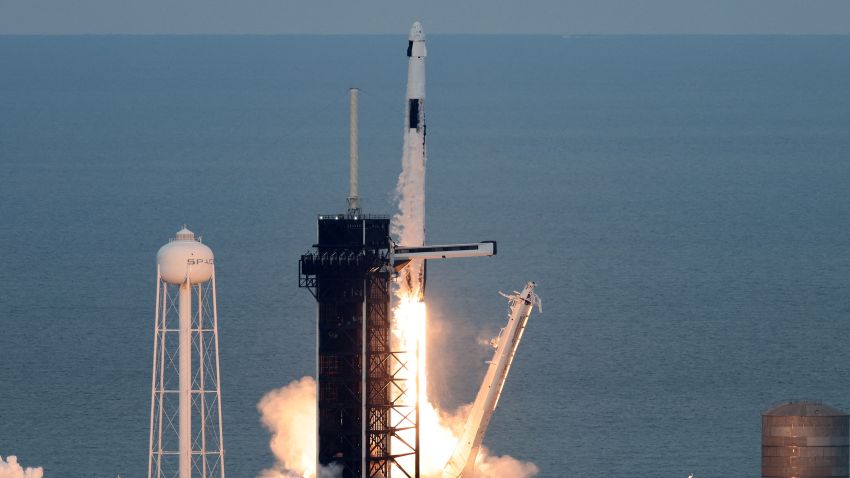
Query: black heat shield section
413	117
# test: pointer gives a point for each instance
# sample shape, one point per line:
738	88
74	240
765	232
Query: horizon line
563	35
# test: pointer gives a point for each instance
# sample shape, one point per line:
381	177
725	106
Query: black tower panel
347	272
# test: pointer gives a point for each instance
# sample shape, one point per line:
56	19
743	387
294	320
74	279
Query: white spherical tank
185	257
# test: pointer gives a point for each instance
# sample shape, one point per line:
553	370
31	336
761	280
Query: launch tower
368	394
361	388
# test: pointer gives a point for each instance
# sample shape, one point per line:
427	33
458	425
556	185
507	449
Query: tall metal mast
360	388
353	154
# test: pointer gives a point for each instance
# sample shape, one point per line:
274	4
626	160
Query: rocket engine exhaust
439	432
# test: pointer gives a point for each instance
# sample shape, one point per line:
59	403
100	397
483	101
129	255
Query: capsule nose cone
416	33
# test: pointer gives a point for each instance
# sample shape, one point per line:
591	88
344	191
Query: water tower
802	439
185	426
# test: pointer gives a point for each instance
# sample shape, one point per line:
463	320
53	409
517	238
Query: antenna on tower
353	163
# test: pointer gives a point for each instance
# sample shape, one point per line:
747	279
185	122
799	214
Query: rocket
412	180
415	97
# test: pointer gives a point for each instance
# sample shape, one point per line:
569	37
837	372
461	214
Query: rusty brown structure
804	439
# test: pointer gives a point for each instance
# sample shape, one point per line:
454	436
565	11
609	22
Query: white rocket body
412	180
416	52
462	462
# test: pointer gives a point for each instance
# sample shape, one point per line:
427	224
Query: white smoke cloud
489	466
333	471
290	414
10	468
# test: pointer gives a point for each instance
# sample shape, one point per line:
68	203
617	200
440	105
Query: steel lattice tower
362	381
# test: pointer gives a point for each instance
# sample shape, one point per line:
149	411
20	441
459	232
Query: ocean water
682	203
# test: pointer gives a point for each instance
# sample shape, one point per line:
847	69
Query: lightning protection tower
185	426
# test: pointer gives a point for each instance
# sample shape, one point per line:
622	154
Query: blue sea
683	203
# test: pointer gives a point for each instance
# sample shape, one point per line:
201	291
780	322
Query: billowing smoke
10	468
440	431
445	428
290	414
489	466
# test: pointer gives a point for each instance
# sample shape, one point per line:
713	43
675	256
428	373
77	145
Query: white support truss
205	447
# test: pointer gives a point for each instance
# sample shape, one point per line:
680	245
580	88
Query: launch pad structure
364	394
368	396
362	381
367	391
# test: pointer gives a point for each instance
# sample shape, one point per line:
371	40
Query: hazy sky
438	16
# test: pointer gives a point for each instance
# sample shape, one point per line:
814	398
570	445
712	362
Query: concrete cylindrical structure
804	440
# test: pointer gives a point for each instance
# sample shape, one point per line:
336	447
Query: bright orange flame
437	439
290	414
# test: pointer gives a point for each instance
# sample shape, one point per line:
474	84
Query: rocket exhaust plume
10	468
290	413
438	431
408	227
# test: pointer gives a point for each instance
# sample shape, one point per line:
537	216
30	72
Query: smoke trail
290	414
11	469
408	224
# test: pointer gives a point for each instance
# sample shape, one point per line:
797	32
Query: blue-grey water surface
681	201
